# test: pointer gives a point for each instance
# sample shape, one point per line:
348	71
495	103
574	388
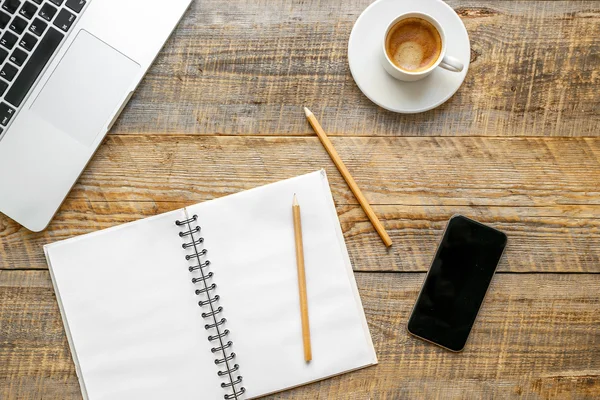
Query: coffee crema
413	44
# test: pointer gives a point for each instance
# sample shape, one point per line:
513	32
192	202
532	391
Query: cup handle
452	64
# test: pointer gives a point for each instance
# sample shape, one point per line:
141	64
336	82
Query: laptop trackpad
86	88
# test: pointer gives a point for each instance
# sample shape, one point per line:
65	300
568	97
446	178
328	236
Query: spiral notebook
202	302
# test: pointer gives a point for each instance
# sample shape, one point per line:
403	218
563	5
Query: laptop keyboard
30	33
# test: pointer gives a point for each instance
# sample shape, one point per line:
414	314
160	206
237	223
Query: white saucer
405	97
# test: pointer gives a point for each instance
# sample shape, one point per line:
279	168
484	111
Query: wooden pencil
348	177
302	280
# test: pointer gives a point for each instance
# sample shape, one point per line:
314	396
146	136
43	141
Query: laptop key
28	42
9	72
38	26
64	20
28	10
8	40
47	12
3	87
32	69
18	57
11	5
6	113
3	55
4	20
18	25
57	2
76	5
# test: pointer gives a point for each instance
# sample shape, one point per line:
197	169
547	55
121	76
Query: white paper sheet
134	326
250	241
136	330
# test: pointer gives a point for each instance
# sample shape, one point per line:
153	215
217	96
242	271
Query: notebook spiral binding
207	289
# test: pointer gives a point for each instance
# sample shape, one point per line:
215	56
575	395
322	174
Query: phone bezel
429	270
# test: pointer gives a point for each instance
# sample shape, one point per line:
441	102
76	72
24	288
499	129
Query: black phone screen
457	282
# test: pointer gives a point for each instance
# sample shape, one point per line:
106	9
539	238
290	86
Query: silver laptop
67	68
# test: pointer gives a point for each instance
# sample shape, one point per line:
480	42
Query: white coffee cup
443	61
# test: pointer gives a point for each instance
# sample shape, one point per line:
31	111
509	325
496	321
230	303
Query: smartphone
457	282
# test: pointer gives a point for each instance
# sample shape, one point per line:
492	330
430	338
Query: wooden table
517	147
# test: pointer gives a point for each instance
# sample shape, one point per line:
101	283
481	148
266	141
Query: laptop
67	69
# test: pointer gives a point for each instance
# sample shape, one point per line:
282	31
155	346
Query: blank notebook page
134	327
250	241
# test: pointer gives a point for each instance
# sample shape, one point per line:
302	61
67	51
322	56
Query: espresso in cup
413	44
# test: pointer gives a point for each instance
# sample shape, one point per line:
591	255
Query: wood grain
543	192
541	239
410	171
250	67
537	337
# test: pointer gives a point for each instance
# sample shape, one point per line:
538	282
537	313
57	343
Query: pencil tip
307	112
295	200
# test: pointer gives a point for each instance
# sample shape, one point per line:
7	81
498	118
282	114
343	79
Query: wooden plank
541	239
409	171
248	69
537	337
